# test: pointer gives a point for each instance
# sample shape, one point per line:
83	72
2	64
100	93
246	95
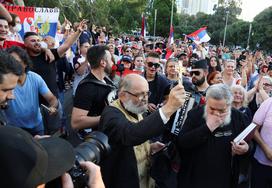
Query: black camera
94	148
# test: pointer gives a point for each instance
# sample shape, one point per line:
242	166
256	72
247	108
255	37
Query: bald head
134	93
131	82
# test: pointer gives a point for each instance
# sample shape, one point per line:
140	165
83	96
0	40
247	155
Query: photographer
122	121
29	162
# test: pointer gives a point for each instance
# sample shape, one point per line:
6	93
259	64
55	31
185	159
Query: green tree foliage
125	15
163	17
262	30
237	34
120	15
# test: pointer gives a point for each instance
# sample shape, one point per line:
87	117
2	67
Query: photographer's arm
95	177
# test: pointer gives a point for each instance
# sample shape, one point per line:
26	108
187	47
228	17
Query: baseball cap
127	58
200	64
27	162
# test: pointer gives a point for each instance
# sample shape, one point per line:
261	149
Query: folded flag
171	35
143	31
199	36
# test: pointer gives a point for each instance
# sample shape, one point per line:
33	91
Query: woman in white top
228	74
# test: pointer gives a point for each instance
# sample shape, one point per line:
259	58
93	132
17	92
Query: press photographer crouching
29	162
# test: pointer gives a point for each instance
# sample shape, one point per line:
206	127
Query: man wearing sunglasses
199	74
159	85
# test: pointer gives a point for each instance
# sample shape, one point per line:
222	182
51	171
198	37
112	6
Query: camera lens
94	149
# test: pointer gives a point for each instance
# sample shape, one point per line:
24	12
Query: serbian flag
171	35
199	36
143	31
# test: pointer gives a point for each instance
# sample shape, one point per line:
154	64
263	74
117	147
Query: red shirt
8	44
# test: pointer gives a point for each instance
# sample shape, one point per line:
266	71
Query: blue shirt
24	110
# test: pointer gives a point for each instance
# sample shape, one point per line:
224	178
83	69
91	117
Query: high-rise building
192	7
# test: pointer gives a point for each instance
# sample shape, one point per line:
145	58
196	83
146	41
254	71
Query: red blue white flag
43	21
171	35
199	36
143	31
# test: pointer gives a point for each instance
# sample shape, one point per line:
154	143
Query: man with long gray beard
122	121
209	158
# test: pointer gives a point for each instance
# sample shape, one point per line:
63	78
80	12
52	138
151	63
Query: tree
120	15
238	34
163	17
262	30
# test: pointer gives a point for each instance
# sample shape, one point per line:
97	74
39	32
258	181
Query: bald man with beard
128	132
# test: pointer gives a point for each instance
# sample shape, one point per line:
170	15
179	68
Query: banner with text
43	21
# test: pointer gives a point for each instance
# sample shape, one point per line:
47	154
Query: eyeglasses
267	84
140	96
151	64
197	73
128	51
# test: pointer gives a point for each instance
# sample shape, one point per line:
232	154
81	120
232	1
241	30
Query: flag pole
172	9
154	34
249	32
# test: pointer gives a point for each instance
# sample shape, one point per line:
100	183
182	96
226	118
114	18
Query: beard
4	106
198	82
108	69
226	121
135	109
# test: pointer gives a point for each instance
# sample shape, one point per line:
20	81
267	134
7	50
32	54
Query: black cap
200	64
127	58
28	162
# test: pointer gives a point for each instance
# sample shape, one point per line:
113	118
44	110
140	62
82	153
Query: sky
250	8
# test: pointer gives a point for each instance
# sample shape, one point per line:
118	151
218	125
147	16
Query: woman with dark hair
214	64
138	64
24	112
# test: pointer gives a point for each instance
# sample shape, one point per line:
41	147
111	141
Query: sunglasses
151	64
197	73
128	51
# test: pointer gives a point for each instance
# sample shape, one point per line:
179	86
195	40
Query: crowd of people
130	88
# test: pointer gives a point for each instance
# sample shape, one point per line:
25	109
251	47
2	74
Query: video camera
94	148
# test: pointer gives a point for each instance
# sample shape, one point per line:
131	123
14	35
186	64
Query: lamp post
249	33
226	25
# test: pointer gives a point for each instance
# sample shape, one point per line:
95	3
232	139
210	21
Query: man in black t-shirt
47	70
92	91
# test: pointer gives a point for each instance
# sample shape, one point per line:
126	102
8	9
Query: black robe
206	159
119	169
